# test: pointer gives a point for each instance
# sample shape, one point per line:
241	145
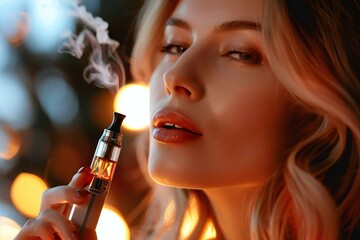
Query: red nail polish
84	169
81	193
88	180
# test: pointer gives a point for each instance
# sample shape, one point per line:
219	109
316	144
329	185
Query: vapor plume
105	68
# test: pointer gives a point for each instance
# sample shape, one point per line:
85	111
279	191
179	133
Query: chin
199	179
184	179
176	179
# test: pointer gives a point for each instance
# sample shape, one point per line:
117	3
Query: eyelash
246	56
167	49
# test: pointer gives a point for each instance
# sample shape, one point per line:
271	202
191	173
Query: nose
183	79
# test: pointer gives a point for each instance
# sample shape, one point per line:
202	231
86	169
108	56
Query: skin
235	102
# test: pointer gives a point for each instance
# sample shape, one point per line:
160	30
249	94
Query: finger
82	178
36	229
52	197
63	208
63	227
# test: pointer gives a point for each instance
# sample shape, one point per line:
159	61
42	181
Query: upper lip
164	116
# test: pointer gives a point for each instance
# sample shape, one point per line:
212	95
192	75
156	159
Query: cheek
250	133
252	103
243	135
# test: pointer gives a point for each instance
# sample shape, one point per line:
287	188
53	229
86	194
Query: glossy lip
186	131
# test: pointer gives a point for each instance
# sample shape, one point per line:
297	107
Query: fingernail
88	180
75	235
84	169
81	193
56	236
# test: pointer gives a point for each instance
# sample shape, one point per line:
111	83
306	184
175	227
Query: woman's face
219	117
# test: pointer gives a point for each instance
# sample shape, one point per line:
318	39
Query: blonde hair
315	193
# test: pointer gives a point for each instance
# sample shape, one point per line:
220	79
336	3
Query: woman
255	120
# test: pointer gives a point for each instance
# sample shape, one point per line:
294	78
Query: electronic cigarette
103	166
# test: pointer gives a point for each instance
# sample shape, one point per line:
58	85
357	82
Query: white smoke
105	68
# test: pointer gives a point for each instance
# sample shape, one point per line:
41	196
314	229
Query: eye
247	56
175	49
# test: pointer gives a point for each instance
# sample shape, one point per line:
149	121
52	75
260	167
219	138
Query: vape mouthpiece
113	134
116	122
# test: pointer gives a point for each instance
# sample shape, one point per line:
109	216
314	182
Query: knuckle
44	214
54	192
45	194
38	224
30	222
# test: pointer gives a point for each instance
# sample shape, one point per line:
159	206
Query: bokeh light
210	231
191	218
56	97
48	20
10	14
21	30
9	142
111	225
8	228
133	101
6	208
16	107
170	212
8	56
26	192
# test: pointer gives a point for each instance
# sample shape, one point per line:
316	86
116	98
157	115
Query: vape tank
102	169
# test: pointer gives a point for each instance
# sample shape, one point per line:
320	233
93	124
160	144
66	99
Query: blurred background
51	119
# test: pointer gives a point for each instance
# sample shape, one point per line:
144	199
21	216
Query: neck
231	207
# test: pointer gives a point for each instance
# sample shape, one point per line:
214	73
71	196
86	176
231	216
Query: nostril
183	90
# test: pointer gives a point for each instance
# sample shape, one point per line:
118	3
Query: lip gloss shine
103	166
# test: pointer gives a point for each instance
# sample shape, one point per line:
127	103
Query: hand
52	222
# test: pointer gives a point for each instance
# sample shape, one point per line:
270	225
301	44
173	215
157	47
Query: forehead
205	12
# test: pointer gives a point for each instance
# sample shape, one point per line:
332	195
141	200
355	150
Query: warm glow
210	232
133	101
8	228
191	218
9	142
169	214
26	192
111	225
21	30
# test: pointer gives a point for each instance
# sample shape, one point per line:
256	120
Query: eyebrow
226	26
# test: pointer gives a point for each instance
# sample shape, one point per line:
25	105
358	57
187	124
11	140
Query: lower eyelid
256	61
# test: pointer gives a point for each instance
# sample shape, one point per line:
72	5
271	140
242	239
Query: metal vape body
103	166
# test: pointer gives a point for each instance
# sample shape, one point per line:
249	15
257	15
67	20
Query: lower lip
173	135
